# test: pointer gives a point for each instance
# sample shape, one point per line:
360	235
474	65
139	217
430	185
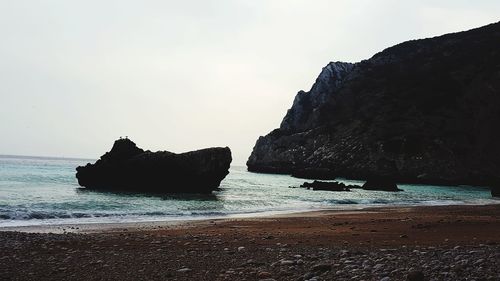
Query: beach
387	243
250	140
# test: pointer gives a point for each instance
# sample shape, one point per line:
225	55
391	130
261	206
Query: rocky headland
129	168
423	111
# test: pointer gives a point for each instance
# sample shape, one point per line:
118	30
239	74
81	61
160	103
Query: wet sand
441	242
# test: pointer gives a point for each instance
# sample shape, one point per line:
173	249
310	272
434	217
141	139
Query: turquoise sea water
45	191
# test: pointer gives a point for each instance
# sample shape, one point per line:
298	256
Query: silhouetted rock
328	186
424	111
129	168
380	183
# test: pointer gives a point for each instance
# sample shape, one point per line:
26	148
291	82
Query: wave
343	201
40	215
360	201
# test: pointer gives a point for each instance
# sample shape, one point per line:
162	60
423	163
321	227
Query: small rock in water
385	279
240	249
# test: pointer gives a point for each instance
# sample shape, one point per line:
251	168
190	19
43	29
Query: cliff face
304	113
422	111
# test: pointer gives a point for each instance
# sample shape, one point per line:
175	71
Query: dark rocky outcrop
129	168
380	183
424	111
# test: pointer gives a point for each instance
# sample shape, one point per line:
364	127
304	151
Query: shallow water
37	191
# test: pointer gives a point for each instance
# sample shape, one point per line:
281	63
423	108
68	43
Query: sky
184	75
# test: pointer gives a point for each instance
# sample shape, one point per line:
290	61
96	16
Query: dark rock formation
380	183
328	186
129	168
424	111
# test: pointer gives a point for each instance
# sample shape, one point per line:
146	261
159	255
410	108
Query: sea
44	191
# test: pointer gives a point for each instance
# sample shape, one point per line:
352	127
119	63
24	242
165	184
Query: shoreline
95	227
441	242
103	227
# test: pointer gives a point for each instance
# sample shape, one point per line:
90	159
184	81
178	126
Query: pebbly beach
389	243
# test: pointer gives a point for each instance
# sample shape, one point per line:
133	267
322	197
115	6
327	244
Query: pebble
308	275
415	275
377	266
264	274
287	262
330	262
322	267
185	269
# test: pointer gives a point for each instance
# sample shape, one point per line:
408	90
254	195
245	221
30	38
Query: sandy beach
441	242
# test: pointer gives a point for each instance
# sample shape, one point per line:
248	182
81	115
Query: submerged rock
129	168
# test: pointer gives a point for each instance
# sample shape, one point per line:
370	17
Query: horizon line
45	157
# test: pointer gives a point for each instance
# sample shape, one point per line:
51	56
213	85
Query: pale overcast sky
182	75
